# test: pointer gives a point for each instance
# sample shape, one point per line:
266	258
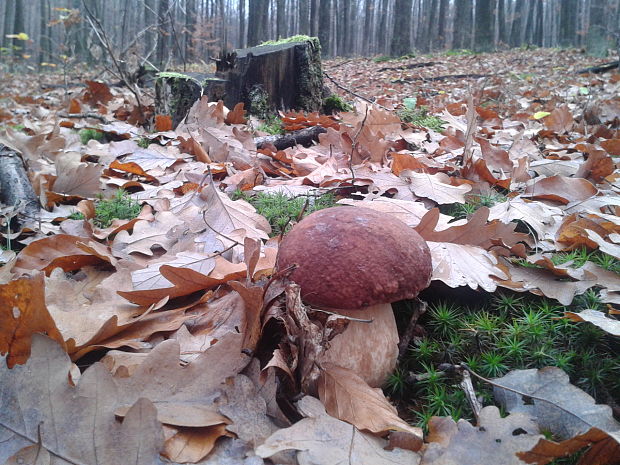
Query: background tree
177	31
483	39
402	28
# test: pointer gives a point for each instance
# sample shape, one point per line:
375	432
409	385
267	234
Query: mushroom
357	261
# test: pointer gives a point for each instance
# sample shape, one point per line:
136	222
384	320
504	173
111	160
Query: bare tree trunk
314	17
402	28
281	19
242	32
325	18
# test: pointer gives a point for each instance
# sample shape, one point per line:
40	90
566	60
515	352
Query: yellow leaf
541	114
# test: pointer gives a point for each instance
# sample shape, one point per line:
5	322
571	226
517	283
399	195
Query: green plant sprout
121	206
272	125
90	134
421	117
473	202
334	103
507	331
281	210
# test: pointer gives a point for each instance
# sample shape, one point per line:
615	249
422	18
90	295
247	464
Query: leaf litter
186	304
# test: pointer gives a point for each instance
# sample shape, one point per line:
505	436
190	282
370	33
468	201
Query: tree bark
483	41
325	18
402	28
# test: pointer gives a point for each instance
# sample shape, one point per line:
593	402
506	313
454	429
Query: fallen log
16	189
600	68
303	137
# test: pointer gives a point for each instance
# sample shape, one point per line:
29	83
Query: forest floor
155	253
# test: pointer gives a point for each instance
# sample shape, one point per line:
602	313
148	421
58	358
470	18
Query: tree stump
265	78
175	93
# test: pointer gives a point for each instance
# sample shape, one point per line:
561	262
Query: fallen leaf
347	397
322	440
224	215
602	449
465	265
561	189
556	405
148	234
560	120
494	440
57	251
435	187
600	319
23	313
75	424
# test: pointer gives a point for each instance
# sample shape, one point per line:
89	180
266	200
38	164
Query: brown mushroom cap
352	257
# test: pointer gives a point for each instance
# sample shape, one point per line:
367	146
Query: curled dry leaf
320	439
494	440
74	177
436	187
75	424
476	231
23	313
58	251
600	319
602	449
556	405
561	189
347	397
465	265
148	234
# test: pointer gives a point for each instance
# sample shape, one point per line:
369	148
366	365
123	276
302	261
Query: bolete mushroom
356	262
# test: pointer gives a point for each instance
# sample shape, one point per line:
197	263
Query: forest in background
48	33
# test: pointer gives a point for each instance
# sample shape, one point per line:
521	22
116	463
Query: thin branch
340	86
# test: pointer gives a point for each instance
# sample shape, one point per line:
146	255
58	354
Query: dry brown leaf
476	231
183	414
557	406
75	424
57	251
151	277
465	265
97	92
224	215
543	219
74	177
155	157
23	313
612	146
322	440
253	301
436	187
602	449
609	325
191	445
247	411
494	440
186	281
545	282
585	230
347	397
561	189
407	211
148	234
236	115
560	120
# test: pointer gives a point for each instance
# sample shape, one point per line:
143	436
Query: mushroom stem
368	349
